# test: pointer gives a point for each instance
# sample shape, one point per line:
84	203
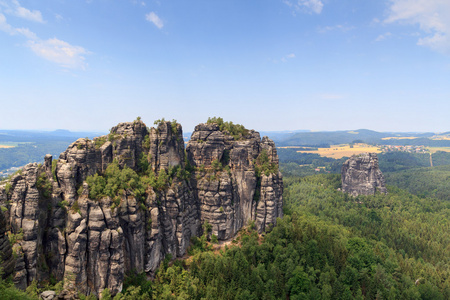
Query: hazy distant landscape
19	147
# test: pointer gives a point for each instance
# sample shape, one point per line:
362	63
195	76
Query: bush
100	142
14	238
44	185
264	166
238	131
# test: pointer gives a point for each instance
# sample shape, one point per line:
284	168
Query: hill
327	138
26	146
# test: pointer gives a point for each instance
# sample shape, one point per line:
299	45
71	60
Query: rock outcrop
72	219
361	175
230	189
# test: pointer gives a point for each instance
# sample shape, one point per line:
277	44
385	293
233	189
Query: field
339	151
436	149
6	146
441	137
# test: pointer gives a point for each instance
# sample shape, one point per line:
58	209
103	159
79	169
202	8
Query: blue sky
267	64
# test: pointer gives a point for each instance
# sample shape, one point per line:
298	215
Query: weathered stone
48	295
92	243
361	175
228	199
7	261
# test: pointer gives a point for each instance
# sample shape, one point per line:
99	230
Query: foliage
9	292
100	141
63	204
424	182
75	207
54	165
115	182
173	125
216	166
44	185
8	187
238	131
397	161
15	237
159	122
263	165
146	142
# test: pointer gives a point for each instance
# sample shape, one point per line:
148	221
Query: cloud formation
60	52
153	18
286	57
54	50
339	27
433	17
309	6
382	37
14	8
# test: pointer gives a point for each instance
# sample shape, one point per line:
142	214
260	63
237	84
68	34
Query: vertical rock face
228	185
7	261
361	175
90	235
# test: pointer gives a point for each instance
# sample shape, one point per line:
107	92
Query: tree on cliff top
238	131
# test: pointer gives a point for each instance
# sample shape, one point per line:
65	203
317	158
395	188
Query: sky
270	65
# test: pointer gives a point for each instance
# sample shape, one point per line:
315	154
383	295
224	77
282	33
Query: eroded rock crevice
361	175
61	230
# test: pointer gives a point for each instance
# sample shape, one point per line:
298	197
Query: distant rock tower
361	175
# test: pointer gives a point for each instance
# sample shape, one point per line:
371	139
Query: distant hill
326	138
32	146
41	136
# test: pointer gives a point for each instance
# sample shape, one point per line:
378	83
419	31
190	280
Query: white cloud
152	17
13	7
286	57
382	37
60	52
4	26
309	6
54	50
432	16
27	33
338	27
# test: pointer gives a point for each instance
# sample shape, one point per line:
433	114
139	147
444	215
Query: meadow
344	150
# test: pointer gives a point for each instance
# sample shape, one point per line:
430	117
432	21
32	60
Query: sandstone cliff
361	176
122	202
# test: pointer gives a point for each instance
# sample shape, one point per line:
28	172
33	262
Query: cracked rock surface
361	175
91	244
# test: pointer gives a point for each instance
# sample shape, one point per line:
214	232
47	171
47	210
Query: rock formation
361	175
72	219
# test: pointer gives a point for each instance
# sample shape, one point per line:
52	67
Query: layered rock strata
65	228
226	183
361	175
